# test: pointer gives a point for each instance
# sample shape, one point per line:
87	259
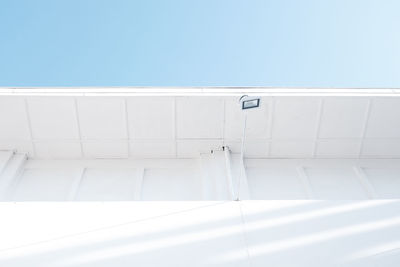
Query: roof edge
195	91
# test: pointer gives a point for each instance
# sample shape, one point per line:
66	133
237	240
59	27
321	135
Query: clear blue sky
305	43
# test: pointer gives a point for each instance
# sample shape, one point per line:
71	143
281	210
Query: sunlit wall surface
149	177
246	233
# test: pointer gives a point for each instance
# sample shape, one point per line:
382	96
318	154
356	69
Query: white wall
296	125
246	233
320	185
206	178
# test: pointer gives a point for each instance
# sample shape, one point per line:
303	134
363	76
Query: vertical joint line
223	122
10	177
243	188
10	155
30	126
127	127
365	183
76	184
319	119
229	178
365	126
242	170
175	128
13	184
138	184
271	124
305	181
244	230
79	125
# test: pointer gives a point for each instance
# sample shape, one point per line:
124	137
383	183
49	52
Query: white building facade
186	177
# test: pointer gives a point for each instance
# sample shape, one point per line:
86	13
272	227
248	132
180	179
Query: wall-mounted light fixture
248	102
